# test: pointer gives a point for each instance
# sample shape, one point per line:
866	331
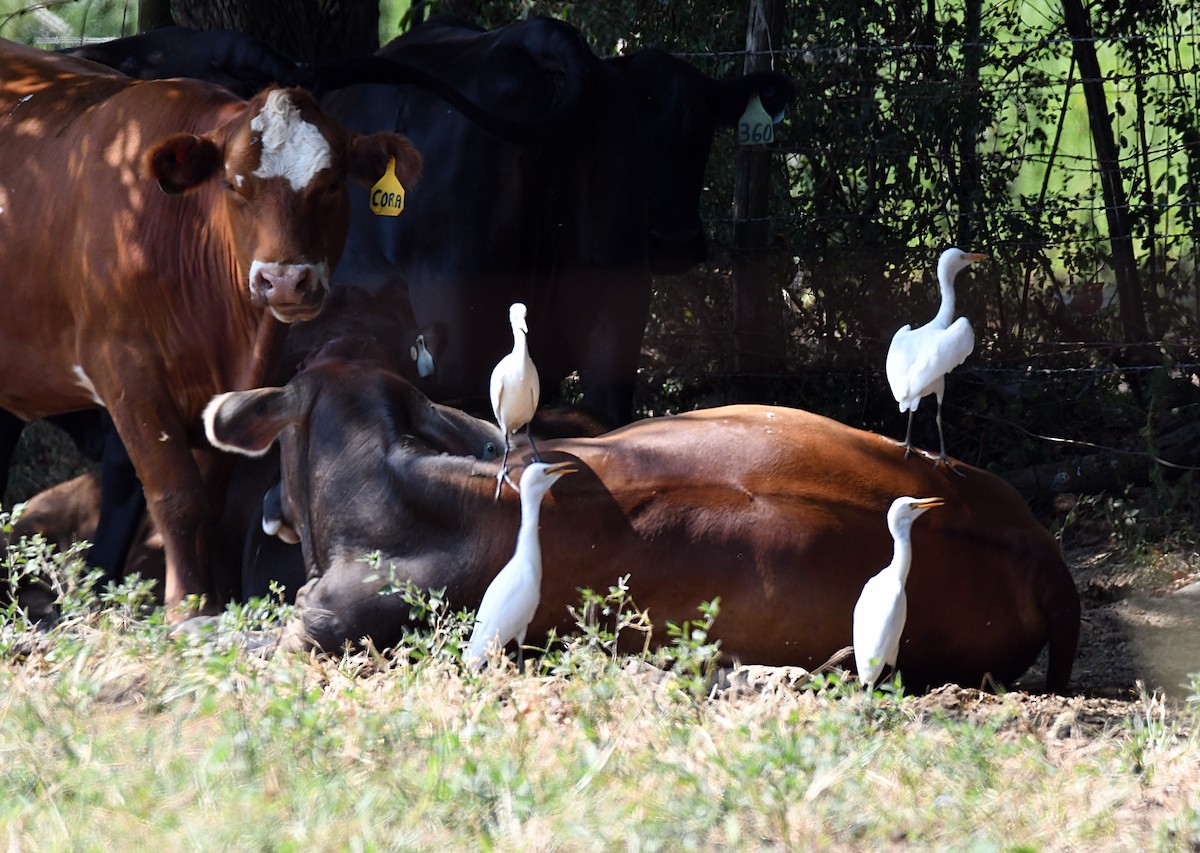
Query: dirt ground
1140	623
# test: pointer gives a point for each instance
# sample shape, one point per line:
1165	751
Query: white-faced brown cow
779	512
146	302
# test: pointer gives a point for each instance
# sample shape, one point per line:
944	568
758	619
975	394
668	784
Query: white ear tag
755	126
387	196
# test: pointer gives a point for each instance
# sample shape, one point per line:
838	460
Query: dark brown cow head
282	164
346	427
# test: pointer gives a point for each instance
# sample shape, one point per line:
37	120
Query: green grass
115	734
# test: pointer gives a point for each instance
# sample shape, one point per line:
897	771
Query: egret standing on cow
919	359
513	595
882	607
423	358
515	390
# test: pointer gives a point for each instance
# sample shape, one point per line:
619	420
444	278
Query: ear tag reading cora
387	196
755	126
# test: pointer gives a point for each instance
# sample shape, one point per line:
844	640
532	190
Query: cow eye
490	451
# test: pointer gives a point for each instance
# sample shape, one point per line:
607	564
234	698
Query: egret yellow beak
977	256
562	468
930	503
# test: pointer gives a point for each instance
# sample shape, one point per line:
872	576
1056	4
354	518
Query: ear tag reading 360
755	126
387	196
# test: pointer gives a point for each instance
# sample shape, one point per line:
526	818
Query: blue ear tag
755	126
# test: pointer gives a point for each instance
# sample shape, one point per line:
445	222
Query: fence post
756	326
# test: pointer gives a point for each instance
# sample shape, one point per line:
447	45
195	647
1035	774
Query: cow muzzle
292	292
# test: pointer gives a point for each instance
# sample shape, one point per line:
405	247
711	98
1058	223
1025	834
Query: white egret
919	359
422	357
883	605
515	389
513	595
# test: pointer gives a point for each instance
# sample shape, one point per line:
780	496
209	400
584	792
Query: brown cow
119	295
780	513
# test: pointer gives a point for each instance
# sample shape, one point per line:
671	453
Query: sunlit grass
114	733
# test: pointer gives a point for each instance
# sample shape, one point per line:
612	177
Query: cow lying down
778	512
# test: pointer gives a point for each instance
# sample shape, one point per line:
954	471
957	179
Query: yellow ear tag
387	196
755	126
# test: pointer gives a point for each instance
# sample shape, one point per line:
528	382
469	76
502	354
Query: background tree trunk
1116	203
307	30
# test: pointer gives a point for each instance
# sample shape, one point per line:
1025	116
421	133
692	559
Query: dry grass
114	734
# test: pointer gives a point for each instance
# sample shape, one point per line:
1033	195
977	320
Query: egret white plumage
882	606
423	357
515	389
513	595
919	359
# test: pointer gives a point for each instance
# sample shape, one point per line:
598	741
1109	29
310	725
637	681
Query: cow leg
607	380
122	505
178	502
225	575
10	433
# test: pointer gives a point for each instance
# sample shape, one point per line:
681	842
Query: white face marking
86	383
292	148
239	180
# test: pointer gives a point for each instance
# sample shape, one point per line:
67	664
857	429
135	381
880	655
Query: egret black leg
943	459
537	457
908	435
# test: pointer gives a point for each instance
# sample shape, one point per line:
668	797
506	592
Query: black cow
679	110
231	59
558	223
571	223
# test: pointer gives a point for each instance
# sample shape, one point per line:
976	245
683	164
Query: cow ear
449	430
248	422
369	156
183	161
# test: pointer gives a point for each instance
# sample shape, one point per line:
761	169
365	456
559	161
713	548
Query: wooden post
756	301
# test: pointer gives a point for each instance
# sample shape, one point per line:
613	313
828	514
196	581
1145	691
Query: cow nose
293	292
283	284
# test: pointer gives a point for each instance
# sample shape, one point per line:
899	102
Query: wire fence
895	150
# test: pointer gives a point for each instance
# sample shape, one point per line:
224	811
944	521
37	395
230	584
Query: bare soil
1140	635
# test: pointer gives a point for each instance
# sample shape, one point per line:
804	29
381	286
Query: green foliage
61	21
433	630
